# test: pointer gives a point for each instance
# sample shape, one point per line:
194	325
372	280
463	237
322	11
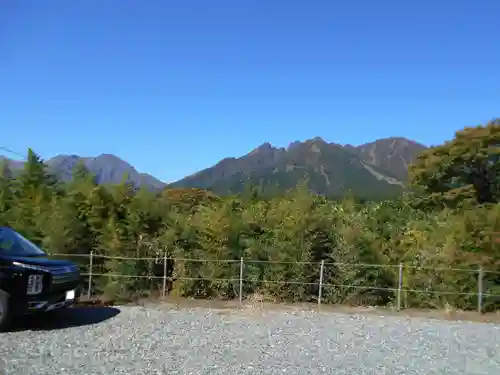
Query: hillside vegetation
449	221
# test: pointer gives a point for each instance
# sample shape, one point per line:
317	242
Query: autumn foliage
443	232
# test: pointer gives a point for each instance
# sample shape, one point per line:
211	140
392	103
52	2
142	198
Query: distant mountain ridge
107	168
375	169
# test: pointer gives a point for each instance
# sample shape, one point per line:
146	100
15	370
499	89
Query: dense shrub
282	239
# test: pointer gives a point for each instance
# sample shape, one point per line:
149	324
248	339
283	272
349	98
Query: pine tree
34	189
6	192
114	242
82	178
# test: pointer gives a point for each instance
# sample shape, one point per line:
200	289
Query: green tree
465	170
6	193
34	188
281	238
81	176
34	174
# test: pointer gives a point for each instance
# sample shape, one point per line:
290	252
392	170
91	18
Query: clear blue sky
173	87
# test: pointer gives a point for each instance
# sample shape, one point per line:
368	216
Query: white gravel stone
157	340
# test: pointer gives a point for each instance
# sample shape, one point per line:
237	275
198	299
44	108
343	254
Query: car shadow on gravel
68	318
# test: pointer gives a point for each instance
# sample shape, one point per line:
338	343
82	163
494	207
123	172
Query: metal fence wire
92	269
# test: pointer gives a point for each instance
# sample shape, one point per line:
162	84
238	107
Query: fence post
400	286
164	291
91	263
480	277
321	269
241	280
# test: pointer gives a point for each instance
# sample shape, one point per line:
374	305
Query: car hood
40	261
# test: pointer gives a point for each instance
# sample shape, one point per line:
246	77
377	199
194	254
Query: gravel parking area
160	340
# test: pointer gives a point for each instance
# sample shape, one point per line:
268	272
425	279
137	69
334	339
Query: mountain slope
14	165
107	168
391	154
372	170
377	169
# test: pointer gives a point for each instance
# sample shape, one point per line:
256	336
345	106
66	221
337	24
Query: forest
445	231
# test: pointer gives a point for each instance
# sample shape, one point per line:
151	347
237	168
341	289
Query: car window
13	243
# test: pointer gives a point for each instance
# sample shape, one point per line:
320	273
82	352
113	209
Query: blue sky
173	87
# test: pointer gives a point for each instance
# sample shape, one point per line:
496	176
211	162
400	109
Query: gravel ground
159	340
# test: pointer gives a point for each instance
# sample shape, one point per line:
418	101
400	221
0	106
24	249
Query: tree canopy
463	171
282	238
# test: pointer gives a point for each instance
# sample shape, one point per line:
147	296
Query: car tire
5	311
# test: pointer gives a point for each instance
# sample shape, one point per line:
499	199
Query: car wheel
5	313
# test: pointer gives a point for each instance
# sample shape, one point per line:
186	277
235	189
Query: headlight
35	284
29	266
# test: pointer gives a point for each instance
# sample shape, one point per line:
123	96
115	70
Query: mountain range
373	170
377	169
107	169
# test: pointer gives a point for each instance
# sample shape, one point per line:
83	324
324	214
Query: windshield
12	243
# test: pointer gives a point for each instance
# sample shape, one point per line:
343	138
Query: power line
10	151
56	171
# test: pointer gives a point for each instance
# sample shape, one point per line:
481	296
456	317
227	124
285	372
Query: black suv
32	282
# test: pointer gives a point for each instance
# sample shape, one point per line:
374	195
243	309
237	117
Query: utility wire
59	171
10	151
